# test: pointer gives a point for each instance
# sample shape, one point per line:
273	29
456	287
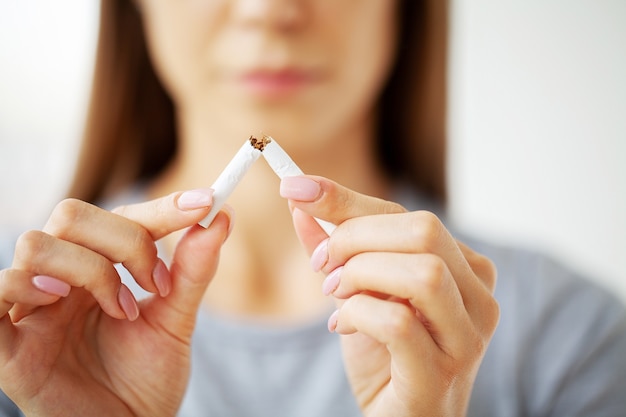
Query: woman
354	92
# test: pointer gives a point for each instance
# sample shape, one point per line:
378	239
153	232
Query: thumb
193	266
327	200
314	196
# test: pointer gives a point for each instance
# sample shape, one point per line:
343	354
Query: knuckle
434	274
486	314
492	314
68	210
29	246
476	345
100	268
64	214
490	274
483	267
474	348
425	229
143	243
334	196
428	220
400	322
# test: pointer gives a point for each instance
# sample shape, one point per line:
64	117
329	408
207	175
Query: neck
264	272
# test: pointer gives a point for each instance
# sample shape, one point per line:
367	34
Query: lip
277	83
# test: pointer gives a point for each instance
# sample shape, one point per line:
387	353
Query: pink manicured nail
195	199
320	256
128	303
300	188
331	282
51	285
161	278
332	321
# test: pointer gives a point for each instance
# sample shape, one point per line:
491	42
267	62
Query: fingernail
331	282
128	303
51	285
195	199
300	188
161	278
332	321
320	256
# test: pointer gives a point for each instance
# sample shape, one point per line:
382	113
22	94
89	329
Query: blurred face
289	68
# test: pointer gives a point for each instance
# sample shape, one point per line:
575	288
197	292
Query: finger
118	239
414	354
360	229
416	232
41	291
313	196
23	287
161	217
482	266
325	199
168	214
41	254
392	324
193	266
423	280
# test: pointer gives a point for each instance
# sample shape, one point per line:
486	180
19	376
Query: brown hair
130	133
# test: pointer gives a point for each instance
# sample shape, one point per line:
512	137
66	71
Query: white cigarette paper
226	182
277	159
280	162
283	166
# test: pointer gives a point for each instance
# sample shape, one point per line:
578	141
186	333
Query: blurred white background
537	120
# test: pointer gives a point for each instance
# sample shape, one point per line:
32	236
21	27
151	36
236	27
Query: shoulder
7	407
561	342
542	289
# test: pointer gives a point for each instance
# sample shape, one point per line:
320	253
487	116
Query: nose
284	15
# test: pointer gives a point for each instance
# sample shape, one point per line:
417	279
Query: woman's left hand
416	307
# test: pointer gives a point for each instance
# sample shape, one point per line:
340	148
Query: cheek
366	54
358	44
178	34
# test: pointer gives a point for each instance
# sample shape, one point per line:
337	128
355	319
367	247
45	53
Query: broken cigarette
226	182
276	157
283	166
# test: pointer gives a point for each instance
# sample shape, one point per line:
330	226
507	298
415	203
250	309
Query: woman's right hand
73	340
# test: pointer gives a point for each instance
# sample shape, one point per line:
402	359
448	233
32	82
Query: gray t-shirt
559	350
